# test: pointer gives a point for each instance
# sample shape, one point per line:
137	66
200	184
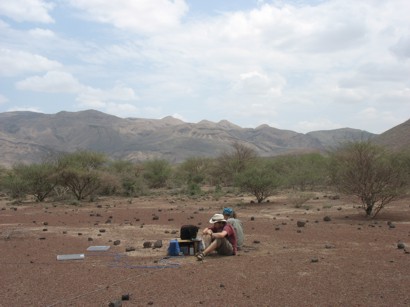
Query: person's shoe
200	256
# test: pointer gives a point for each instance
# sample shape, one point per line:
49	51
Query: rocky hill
30	137
395	138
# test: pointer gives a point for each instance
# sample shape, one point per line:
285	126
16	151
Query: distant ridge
395	138
29	137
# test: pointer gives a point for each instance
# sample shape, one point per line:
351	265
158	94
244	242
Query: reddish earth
347	261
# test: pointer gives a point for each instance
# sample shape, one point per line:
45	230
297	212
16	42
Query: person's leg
214	245
207	239
225	247
211	247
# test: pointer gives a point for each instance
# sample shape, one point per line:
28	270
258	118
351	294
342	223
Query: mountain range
30	137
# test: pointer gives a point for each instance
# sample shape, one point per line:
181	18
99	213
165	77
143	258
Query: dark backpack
189	232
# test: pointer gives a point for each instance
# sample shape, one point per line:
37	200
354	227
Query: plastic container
71	257
173	249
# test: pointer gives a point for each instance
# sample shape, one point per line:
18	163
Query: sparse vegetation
371	173
259	179
362	169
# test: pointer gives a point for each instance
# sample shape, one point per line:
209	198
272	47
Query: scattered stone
329	246
117	242
42	238
116	303
64	232
108	221
125	297
45	223
391	225
222	286
174	232
155	217
45	229
130	249
300	223
277	228
299	231
80	234
314	260
401	245
170	219
327	218
256	241
102	230
252	218
147	244
90	239
158	244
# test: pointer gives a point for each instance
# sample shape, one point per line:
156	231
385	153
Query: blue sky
296	65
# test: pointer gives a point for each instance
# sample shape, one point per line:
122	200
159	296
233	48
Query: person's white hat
217	218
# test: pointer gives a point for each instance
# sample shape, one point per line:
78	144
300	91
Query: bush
375	176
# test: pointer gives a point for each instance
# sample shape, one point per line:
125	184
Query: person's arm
221	234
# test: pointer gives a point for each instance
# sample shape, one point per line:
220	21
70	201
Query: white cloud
301	65
140	16
316	124
30	109
51	82
3	99
39	33
27	10
15	62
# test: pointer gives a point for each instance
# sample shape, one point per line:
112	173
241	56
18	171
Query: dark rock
116	303
314	260
401	245
125	297
158	244
147	244
102	230
327	218
300	223
117	242
90	239
155	217
130	249
252	218
256	241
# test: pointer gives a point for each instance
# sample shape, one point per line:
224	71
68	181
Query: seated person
230	216
220	237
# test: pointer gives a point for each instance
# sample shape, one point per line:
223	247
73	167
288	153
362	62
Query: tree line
373	174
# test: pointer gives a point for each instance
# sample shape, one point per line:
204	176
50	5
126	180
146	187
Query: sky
291	64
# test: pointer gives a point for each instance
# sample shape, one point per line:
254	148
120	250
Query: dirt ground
345	261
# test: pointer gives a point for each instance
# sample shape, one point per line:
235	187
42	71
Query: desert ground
337	258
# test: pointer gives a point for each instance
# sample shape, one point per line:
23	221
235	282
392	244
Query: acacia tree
369	172
302	171
156	173
81	172
231	163
259	179
39	179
